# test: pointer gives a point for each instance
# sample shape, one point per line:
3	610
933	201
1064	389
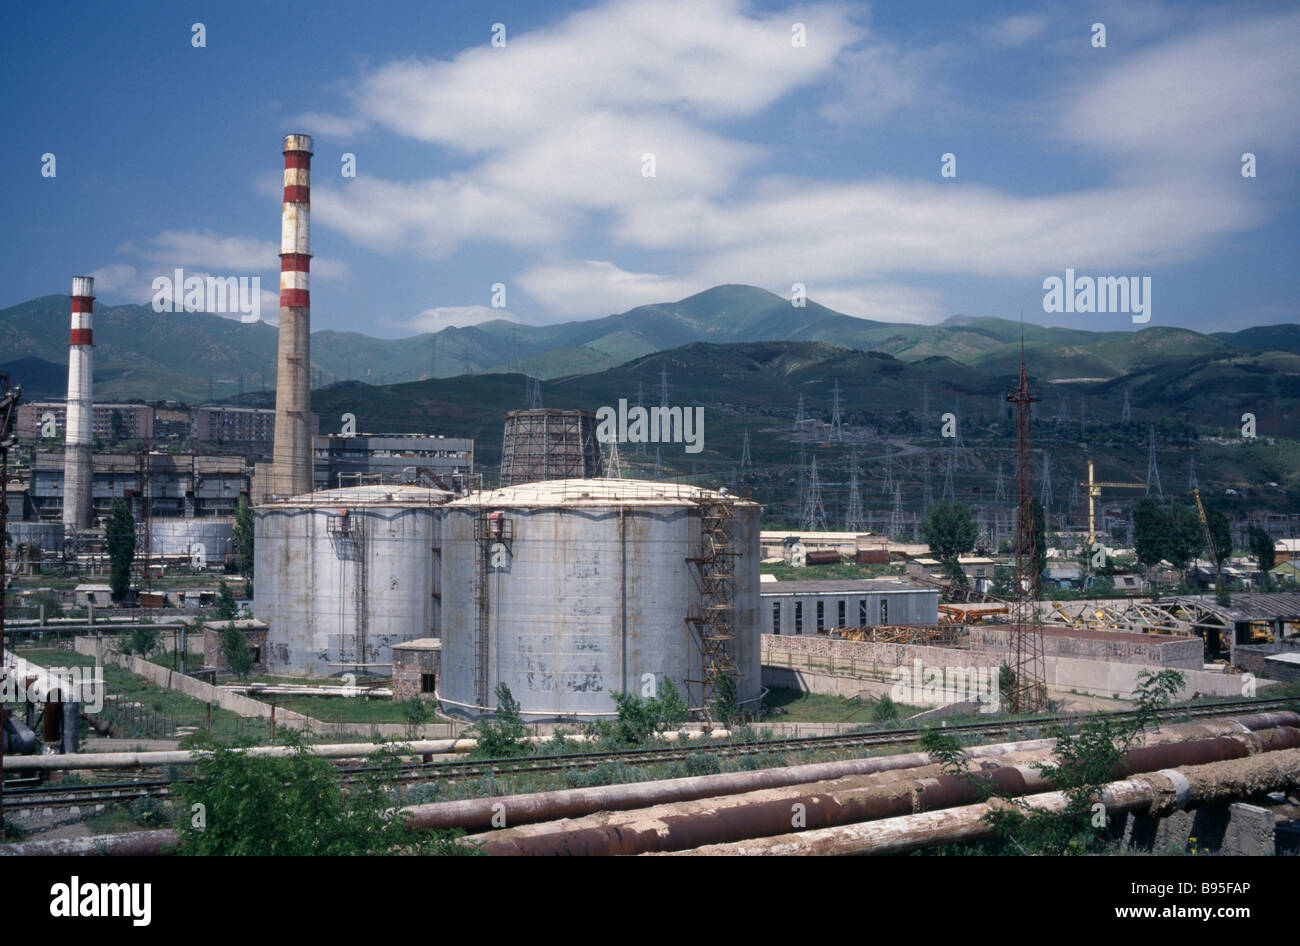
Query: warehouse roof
1251	607
844	586
596	492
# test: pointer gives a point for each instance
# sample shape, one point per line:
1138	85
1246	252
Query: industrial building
344	574
815	607
419	458
178	485
569	590
548	444
108	421
245	426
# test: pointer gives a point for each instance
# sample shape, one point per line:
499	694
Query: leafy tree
1262	548
1003	582
726	706
884	709
506	736
295	806
640	718
1220	535
1183	540
235	649
949	530
141	641
1086	761
225	607
244	539
416	712
952	570
119	542
1148	531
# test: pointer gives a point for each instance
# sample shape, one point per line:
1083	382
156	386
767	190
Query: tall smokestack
79	427
292	460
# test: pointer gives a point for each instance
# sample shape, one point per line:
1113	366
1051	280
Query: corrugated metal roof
1251	607
842	586
597	492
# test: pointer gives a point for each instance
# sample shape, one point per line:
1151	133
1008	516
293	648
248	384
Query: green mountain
191	357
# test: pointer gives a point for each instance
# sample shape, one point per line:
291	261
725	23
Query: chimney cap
297	143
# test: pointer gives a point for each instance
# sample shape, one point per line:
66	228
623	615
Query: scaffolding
549	444
712	631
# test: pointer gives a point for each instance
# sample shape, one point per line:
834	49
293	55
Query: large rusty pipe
737	817
1155	794
156	842
476	814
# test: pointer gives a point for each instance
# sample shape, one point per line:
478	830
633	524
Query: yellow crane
1210	548
1094	491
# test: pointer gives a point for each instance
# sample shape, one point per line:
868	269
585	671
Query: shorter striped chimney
77	459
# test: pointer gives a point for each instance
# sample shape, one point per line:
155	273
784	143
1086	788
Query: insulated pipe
346	750
735	818
1156	794
477	813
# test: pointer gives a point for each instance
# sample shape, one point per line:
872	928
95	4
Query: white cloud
707	59
582	289
114	277
1191	106
458	316
204	248
555	125
883	302
1016	30
562	117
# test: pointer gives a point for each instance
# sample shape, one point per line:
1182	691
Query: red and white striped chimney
79	427
292	457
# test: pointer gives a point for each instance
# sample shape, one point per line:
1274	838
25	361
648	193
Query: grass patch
804	707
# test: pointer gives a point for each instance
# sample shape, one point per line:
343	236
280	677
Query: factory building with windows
816	607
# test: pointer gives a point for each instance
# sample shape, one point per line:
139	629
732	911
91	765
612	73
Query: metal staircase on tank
489	528
714	633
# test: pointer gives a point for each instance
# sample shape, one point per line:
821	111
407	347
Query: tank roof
597	492
371	495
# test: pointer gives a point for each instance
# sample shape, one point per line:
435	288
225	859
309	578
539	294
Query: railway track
59	796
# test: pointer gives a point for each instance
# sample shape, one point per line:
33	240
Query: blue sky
774	163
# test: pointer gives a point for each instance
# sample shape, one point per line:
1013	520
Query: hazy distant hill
140	353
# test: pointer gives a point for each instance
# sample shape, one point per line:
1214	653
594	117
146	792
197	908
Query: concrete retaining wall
1179	653
819	658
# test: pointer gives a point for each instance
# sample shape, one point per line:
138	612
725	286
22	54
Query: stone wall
1253	659
409	666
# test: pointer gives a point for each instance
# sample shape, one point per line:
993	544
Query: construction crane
1210	548
1094	491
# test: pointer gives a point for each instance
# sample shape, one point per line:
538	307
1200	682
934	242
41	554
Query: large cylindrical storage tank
211	537
342	575
569	590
